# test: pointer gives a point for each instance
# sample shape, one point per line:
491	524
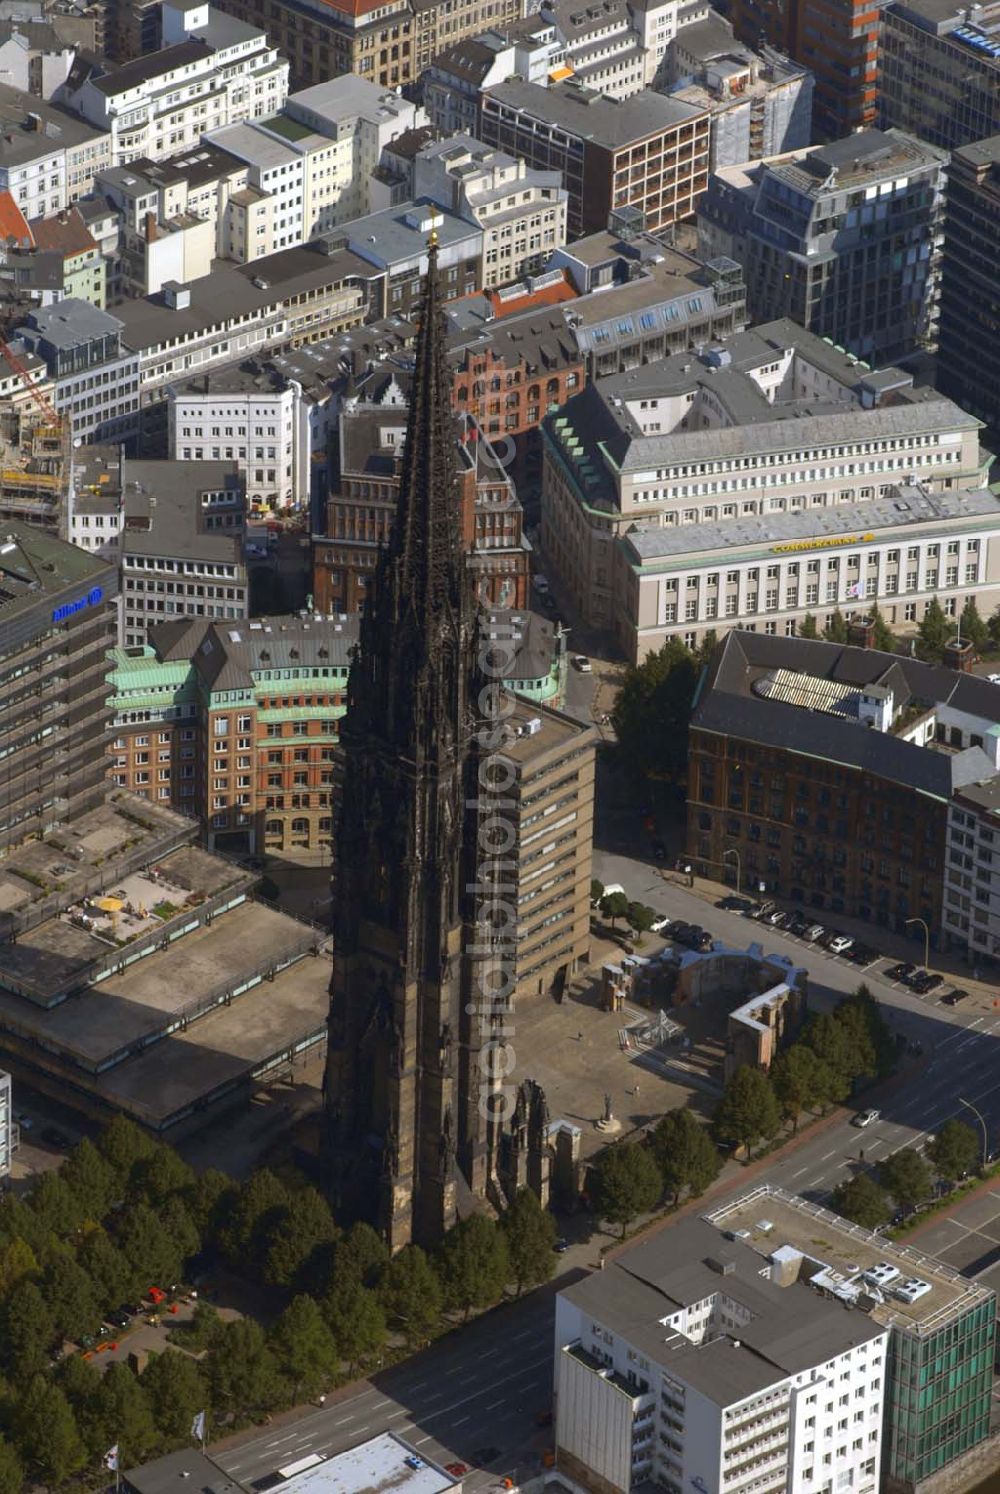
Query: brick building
823	774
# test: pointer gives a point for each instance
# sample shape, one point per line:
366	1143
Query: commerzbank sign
93	598
823	542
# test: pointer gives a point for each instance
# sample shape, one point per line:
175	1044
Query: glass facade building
938	1392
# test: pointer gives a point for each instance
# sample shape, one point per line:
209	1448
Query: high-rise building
968	366
842	238
426	965
939	70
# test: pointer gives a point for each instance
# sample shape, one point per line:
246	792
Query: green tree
149	1248
748	1111
907	1177
201	1331
91	1180
18	1221
210	1201
304	1349
27	1332
614	905
121	1413
653	709
474	1264
361	1255
993	629
78	1380
355	1318
17	1261
879	1055
115	1279
123	1145
934	632
801	1081
71	1298
808	627
55	1204
531	1238
242	1375
159	1177
596	890
831	1043
706	649
954	1151
12	1480
861	1200
882	635
626	1183
257	1209
46	1434
685	1153
175	1392
410	1293
972	627
302	1229
836	629
640	916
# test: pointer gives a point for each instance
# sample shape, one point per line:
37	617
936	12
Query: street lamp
739	864
927	939
986	1134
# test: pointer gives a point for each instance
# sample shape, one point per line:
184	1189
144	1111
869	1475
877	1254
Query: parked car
840	944
900	971
994	679
457	1470
761	910
612	888
735	904
659	850
798	923
25	1122
861	954
660	924
778	918
952	998
916	973
583	664
561	1245
813	933
866	1118
52	1136
928	981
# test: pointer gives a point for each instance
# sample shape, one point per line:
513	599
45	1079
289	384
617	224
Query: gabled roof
65	233
13	224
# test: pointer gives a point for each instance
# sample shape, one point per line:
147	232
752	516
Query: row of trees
615	905
682	1155
128	1213
906	1179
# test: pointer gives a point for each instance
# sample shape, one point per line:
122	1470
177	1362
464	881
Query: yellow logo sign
823	542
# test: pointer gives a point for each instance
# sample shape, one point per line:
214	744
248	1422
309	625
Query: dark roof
199	1474
727	705
152	65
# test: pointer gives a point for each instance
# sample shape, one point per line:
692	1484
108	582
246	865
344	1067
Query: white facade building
522	211
693	1363
255	419
213	71
8	1126
276	172
773	424
48	157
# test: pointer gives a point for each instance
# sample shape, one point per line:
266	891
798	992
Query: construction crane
40	398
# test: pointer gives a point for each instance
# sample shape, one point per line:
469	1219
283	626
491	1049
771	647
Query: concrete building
837	40
830	770
968	363
178	557
249	416
83	267
603	44
939	70
95	379
970	914
845	239
760	102
928	1309
692	457
212	71
57	622
521	211
383	1462
528	49
35	55
394	242
647	152
690	1362
48	157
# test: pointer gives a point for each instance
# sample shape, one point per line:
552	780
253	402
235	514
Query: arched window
274	828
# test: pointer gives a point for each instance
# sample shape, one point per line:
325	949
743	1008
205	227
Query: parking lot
969	1239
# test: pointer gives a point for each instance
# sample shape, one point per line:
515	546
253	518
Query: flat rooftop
596	116
554	731
224	1049
21	141
35	563
382	1465
824	1239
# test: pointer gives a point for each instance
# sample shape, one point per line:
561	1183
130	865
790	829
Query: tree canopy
626	1182
653	710
748	1111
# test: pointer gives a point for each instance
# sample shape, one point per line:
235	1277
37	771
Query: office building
829	771
844	239
394	243
56	623
95	378
938	1369
939	70
968	363
383	1462
603	44
772	441
690	1362
48	157
251	416
212	71
528	49
837	40
521	211
181	557
760	102
647	152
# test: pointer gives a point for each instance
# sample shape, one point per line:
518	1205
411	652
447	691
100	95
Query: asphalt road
481	1389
